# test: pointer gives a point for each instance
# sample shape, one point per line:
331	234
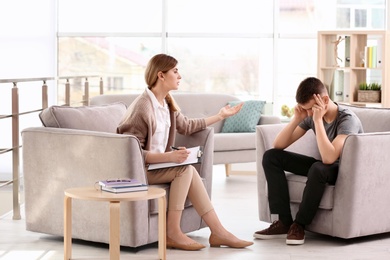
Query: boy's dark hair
307	88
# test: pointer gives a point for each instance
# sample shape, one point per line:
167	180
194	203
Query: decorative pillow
245	120
102	118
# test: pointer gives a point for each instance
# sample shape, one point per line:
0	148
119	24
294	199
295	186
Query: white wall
27	50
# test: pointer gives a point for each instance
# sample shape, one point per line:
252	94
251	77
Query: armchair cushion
102	118
245	120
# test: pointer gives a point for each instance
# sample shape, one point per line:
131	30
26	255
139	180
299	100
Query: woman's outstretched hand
228	111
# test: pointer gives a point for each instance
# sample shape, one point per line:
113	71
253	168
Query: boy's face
308	107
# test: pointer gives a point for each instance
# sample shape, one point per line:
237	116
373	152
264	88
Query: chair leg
227	169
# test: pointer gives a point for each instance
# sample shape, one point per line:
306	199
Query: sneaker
276	230
296	235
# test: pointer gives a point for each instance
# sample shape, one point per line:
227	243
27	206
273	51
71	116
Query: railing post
15	151
101	87
67	93
86	92
44	95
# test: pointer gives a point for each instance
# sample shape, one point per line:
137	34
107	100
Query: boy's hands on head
319	108
300	113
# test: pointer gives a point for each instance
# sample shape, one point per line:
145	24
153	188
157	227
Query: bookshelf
344	63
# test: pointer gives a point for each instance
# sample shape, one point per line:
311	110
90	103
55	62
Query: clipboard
194	157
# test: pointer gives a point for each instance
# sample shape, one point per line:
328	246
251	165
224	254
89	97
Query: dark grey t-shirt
345	123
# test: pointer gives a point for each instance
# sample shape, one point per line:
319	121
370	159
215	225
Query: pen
174	148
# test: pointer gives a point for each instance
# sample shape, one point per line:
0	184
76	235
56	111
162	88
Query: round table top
92	193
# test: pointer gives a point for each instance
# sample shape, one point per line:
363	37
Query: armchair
357	204
78	147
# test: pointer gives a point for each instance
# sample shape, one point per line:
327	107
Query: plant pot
369	96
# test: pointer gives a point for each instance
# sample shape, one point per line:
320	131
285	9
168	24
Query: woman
154	118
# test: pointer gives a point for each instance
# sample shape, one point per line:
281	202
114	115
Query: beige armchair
78	147
357	205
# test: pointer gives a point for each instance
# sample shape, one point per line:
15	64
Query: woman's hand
180	155
228	111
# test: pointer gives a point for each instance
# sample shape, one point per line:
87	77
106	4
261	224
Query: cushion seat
234	141
297	183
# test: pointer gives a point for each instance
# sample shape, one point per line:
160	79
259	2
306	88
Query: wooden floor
235	200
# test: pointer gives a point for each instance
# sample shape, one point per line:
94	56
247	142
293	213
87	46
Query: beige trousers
185	181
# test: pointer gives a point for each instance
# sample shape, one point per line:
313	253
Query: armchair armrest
362	189
267	119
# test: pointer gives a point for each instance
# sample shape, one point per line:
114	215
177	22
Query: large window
248	48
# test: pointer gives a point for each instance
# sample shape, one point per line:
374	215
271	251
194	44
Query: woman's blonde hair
163	63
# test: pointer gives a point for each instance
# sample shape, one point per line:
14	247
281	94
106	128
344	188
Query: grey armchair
357	205
78	147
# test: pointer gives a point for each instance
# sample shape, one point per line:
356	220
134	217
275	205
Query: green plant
375	86
363	86
371	86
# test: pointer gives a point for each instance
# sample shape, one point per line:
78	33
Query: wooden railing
85	98
15	115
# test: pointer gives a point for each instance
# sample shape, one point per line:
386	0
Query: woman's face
172	79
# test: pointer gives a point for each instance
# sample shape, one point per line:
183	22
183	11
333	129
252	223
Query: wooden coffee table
91	193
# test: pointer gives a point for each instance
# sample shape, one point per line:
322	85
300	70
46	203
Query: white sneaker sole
295	242
259	236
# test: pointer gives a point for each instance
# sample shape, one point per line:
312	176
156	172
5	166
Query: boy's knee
318	171
271	154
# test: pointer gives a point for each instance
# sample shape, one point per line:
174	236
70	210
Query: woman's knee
186	170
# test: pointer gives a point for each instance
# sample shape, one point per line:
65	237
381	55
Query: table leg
162	242
67	227
114	230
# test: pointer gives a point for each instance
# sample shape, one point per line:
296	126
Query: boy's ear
325	99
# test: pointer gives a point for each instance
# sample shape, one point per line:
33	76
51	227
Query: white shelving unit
342	66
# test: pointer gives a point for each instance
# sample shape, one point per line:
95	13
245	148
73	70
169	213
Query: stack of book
122	185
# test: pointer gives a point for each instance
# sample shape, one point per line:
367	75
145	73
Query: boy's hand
319	108
299	113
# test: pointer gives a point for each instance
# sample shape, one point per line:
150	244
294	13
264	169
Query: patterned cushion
245	120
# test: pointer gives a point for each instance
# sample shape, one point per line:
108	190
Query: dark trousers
276	162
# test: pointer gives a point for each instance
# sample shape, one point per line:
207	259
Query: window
248	48
367	14
114	83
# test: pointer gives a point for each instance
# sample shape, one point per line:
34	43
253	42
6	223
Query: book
193	157
379	52
337	86
120	183
347	55
141	187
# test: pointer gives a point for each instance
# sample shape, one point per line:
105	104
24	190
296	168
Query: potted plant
369	92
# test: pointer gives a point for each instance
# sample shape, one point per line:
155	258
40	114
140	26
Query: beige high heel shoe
216	241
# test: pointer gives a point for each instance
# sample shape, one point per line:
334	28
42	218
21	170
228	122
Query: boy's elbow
328	160
276	146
